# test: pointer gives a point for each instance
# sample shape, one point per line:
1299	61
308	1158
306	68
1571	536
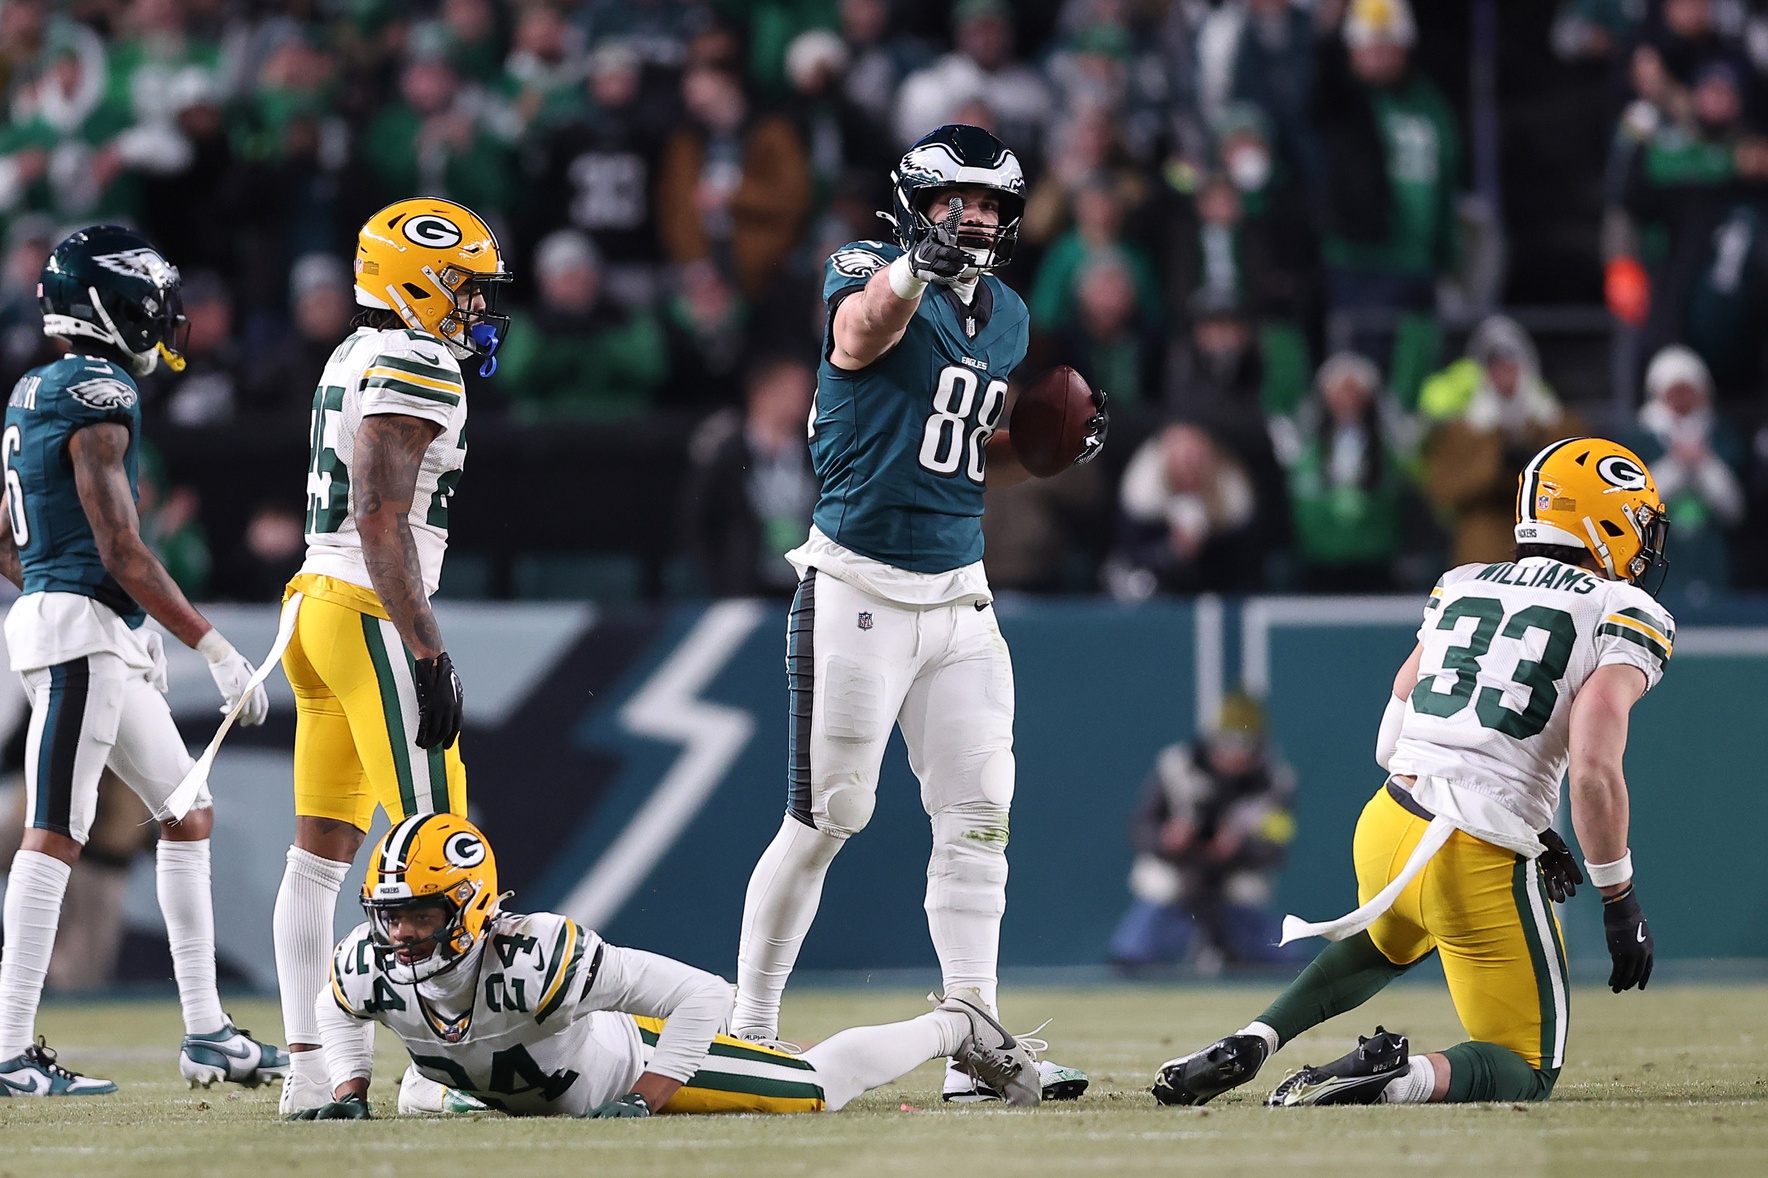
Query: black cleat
1358	1078
1202	1076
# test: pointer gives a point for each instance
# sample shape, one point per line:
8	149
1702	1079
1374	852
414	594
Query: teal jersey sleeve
56	548
853	265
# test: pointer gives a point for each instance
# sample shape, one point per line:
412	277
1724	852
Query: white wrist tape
903	280
215	647
1607	875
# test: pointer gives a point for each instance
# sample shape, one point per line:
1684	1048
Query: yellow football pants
742	1077
356	714
1486	911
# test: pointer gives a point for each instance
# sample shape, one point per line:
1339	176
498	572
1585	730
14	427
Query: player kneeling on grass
1521	669
535	1016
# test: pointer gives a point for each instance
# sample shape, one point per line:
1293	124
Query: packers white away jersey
1506	647
535	1037
372	372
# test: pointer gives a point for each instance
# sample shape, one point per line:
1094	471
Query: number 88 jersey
899	444
1505	649
376	372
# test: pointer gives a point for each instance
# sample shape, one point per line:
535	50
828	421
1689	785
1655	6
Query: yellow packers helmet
431	860
1597	495
424	259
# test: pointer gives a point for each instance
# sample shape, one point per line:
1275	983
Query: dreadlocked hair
378	319
1563	553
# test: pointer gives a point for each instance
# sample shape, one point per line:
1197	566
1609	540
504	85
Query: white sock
304	944
1415	1087
966	897
781	903
181	871
860	1059
1268	1034
33	910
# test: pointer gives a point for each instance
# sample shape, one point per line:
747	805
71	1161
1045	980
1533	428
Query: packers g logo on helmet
1597	495
427	260
431	859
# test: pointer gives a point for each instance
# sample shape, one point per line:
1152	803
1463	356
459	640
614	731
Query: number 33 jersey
899	444
1505	649
374	372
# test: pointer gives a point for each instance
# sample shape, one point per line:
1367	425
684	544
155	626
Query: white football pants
856	666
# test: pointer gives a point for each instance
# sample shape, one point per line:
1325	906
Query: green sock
1345	975
1486	1071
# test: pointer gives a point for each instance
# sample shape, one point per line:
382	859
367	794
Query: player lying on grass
1521	668
536	1016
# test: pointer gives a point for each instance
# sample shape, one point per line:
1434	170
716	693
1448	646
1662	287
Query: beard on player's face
982	207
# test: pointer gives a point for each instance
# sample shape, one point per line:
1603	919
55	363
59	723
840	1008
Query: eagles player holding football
1521	670
71	540
891	624
378	703
537	1016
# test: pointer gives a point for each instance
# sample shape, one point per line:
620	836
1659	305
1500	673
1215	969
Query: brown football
1048	428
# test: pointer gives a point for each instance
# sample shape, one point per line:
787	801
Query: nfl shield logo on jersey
865	620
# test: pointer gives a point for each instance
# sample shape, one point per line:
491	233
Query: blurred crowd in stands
1280	233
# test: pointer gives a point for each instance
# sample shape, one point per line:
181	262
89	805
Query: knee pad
968	868
996	779
843	807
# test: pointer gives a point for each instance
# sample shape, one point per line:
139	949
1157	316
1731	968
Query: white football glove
156	649
232	671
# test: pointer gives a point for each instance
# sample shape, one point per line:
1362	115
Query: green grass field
1673	1081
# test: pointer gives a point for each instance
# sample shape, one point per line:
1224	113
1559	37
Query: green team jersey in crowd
899	444
56	548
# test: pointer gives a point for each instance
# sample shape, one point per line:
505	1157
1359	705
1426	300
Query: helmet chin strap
140	363
1601	548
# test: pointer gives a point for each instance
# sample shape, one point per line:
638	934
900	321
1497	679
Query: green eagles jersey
899	444
55	545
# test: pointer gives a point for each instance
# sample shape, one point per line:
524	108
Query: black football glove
938	257
1098	425
1559	867
353	1107
630	1105
1629	941
439	702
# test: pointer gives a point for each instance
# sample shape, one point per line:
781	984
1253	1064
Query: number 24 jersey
1505	650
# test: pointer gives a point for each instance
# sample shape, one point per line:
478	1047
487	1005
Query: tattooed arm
389	451
103	485
9	566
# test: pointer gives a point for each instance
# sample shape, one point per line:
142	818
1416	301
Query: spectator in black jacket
1211	830
750	488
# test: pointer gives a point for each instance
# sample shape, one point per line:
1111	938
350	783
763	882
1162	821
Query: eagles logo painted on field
464	849
103	393
431	231
140	263
1617	470
856	262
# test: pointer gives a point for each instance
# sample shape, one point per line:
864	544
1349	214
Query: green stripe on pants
755	1085
1520	883
396	737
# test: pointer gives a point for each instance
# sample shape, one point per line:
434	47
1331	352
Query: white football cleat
230	1054
420	1096
300	1094
1059	1083
992	1055
34	1072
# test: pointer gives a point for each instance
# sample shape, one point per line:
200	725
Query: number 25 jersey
899	443
375	372
1505	649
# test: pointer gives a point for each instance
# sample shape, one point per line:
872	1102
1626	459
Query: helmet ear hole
415	291
1612	528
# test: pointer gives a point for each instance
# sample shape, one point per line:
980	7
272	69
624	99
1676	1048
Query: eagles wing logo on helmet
140	263
464	849
103	393
1618	470
856	262
432	231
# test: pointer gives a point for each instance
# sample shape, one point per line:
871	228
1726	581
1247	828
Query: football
1049	423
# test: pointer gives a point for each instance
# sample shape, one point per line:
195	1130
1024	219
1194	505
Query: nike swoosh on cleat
37	1085
1641	935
